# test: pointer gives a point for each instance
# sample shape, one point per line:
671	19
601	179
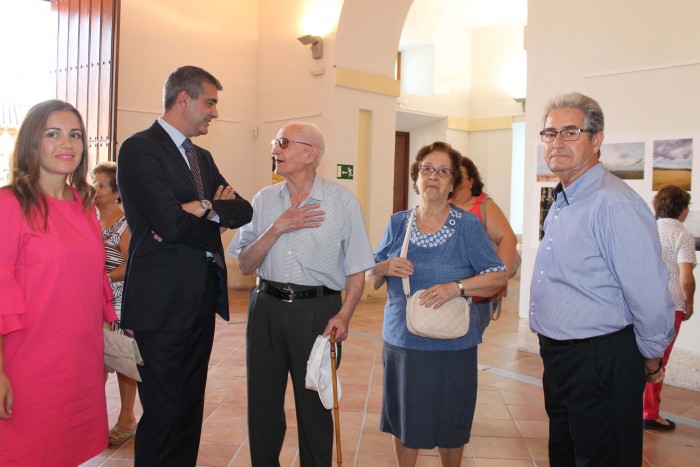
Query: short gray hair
189	79
592	113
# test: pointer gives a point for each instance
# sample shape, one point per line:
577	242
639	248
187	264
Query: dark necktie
194	166
197	176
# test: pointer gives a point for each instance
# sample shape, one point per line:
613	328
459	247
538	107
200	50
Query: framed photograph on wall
625	160
673	163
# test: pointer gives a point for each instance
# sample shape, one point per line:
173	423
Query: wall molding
640	70
480	124
362	81
159	113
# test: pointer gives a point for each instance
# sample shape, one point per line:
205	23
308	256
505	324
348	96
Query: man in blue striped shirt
307	241
599	297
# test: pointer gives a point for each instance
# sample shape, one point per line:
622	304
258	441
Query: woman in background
116	236
55	297
430	384
671	205
469	195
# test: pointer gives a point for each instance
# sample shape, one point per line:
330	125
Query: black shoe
654	425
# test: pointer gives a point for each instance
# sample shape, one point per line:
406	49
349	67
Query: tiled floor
510	426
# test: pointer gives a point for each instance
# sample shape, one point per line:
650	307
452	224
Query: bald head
310	133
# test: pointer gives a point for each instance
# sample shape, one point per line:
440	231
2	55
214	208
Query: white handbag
122	354
450	321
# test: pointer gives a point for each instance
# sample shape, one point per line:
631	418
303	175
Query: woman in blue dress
430	384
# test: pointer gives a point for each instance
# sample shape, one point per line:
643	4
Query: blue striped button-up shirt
325	255
599	266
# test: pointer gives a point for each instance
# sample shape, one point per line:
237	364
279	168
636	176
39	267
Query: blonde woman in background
116	235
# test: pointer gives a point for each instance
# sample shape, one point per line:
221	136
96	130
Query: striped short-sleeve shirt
325	255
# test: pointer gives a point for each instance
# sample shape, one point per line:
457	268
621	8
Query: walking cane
336	412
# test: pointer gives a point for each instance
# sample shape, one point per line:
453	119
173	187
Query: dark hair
473	173
188	79
593	118
26	163
110	170
438	146
671	201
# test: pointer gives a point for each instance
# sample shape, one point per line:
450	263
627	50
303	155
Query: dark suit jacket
165	280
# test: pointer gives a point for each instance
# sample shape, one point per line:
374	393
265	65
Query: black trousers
279	339
593	396
172	392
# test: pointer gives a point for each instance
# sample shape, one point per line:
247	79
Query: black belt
289	292
549	342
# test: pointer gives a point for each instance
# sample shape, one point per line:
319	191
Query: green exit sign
345	172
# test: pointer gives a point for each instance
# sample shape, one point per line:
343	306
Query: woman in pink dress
55	297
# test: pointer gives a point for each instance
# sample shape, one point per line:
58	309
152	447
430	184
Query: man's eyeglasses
284	142
442	172
567	134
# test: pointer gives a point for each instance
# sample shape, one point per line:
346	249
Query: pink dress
54	297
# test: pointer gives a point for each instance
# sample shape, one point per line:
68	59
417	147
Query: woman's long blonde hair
24	178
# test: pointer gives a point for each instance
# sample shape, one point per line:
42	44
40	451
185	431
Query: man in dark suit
176	202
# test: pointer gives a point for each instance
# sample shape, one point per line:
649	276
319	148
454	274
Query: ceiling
427	16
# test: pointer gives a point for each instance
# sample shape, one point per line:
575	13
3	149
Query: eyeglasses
284	142
442	172
567	134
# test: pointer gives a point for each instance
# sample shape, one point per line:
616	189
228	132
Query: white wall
220	36
476	75
491	152
498	70
644	73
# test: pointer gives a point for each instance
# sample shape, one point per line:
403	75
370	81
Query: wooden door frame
402	142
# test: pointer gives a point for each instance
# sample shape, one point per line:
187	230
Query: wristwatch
461	288
206	204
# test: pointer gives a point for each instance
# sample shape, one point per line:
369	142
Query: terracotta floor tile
491	411
527	412
533	428
503	463
499	448
681	436
535	398
539	448
495	428
376	442
216	454
489	395
224	432
693	414
675	393
374	459
116	463
672	456
226	413
216	395
95	461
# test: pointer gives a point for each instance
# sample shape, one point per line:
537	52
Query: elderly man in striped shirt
307	242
